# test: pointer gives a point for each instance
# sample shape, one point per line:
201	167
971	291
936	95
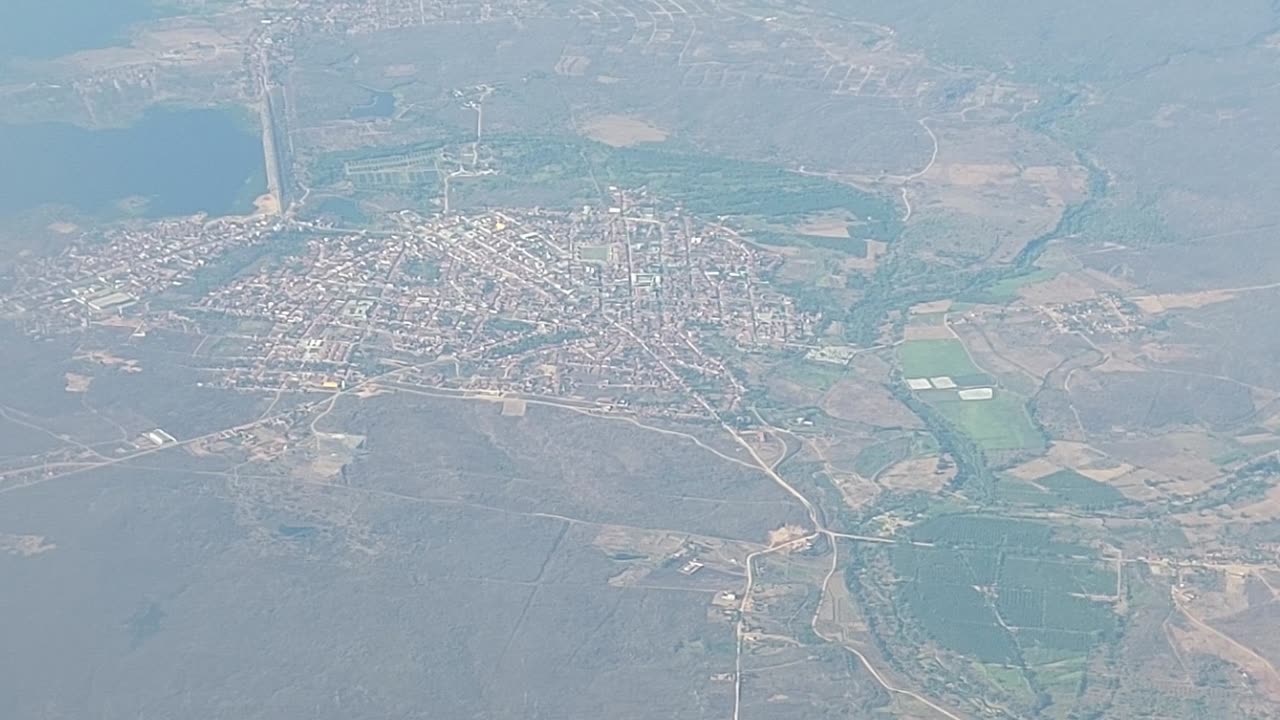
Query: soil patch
623	130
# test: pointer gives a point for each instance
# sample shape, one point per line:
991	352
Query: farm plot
961	619
886	453
1077	489
1063	488
942	374
1005	290
1018	607
1000	423
935	358
982	531
1017	492
1006	591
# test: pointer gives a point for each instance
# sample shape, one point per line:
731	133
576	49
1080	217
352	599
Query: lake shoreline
171	162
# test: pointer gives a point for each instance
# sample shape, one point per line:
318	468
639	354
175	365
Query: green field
1058	576
570	172
346	210
1010	680
1077	489
1008	593
1017	492
982	531
854	246
1000	423
1006	289
992	618
931	358
877	457
241	261
1065	488
424	270
959	618
509	325
594	253
881	455
819	376
946	565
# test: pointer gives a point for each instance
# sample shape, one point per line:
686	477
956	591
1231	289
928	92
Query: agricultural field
802	383
1064	488
1000	423
887	453
1006	289
1022	601
934	358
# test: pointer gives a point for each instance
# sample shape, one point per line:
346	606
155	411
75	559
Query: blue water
381	105
49	28
175	162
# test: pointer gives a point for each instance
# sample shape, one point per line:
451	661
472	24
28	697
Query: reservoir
49	28
170	162
380	105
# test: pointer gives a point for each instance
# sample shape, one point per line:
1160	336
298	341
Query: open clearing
927	332
1156	304
868	403
622	130
918	474
825	226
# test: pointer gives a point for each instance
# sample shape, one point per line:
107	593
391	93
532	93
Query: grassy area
853	246
959	618
594	253
241	261
509	325
1017	492
425	270
1234	455
1077	489
881	455
1006	289
254	327
1010	680
877	457
982	531
1000	423
1065	488
931	358
1061	677
819	376
571	171
344	209
1013	595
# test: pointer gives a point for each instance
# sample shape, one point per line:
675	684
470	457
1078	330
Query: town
628	305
